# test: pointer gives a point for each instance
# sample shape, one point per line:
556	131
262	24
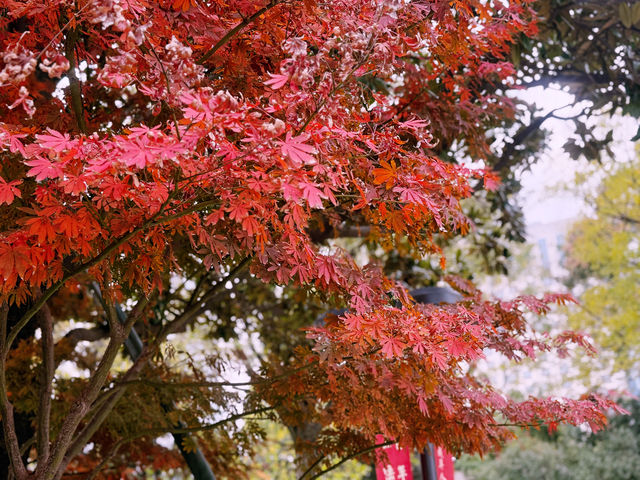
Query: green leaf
635	13
625	14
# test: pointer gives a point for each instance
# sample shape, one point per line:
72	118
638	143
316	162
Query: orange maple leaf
183	5
386	174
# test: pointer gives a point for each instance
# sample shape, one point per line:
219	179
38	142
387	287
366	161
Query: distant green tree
587	48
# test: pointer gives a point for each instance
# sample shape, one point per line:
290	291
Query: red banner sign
444	464
396	465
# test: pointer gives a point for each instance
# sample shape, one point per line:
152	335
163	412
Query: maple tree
173	155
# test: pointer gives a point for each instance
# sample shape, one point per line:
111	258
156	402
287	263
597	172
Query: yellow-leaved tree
604	257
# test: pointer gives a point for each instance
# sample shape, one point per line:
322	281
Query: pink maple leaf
439	359
290	192
13	140
392	347
43	168
313	195
296	150
277	81
136	152
414	124
56	141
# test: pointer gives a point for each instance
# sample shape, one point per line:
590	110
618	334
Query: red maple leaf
312	194
14	260
392	347
9	190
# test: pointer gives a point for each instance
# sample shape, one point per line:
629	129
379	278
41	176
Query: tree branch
506	161
181	385
86	335
202	428
627	219
311	467
81	406
93	422
349	457
159	431
570	77
231	33
46	387
6	408
199	306
74	84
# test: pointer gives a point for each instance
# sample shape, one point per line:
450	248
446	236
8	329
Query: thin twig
311	467
168	85
193	311
369	49
64	27
262	381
